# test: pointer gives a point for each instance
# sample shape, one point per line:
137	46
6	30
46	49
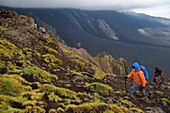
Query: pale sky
159	8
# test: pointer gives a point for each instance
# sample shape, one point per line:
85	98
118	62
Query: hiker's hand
125	77
141	87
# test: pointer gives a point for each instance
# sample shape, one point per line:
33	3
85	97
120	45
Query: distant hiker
139	80
157	74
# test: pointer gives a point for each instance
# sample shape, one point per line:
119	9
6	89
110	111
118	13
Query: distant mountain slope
137	38
99	24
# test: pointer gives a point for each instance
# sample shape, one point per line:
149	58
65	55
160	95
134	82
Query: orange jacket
136	75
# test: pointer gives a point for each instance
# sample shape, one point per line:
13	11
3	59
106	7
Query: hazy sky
150	7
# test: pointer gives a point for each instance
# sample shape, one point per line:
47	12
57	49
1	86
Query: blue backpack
145	72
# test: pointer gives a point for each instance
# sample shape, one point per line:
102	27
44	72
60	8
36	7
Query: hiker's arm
130	75
142	77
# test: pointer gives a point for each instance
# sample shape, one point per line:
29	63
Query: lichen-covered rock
111	66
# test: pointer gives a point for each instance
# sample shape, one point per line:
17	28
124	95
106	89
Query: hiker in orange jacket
139	80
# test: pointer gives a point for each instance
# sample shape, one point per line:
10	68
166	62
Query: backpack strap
139	77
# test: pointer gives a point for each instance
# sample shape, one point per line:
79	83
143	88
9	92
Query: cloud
144	32
159	11
133	5
156	33
100	4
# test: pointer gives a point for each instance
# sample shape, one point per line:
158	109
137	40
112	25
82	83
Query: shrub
47	88
29	71
165	101
127	103
3	28
95	107
60	110
120	92
68	52
32	95
99	74
87	107
38	74
16	78
136	110
10	86
9	99
66	92
50	50
78	74
2	65
49	58
159	93
34	109
100	88
67	85
5	107
23	17
78	63
53	97
108	111
7	49
52	111
15	71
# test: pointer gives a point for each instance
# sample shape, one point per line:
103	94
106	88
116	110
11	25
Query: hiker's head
135	66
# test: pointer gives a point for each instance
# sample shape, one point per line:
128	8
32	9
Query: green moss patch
32	95
63	92
134	109
94	108
127	103
100	88
53	97
99	74
47	88
79	64
120	92
10	86
165	101
49	58
50	50
38	74
9	104
7	49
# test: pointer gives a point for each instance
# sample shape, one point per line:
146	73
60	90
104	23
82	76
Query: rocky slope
39	75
